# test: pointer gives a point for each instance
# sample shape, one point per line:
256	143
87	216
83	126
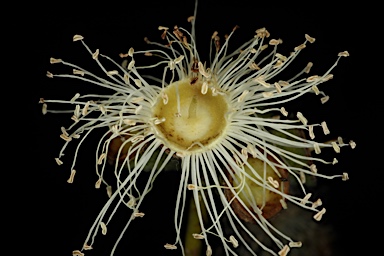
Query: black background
62	213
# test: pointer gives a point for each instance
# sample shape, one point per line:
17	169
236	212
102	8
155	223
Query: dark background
62	213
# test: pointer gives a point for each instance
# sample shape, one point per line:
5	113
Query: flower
226	123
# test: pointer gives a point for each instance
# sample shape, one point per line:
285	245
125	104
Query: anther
283	203
312	78
77	253
198	236
284	251
324	99
273	182
317	148
87	247
131	64
319	215
325	128
101	158
109	191
283	111
343	54
98	183
316	90
204	88
49	74
334	161
95	55
44	109
302	118
53	60
242	96
295	244
335	147
278	87
233	240
305	199
317	203
313	168
170	247
311	133
300	47
72	176
310	39
352	144
78	72
308	67
103	228
77	38
345	176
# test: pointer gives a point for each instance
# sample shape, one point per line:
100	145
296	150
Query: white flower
224	120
